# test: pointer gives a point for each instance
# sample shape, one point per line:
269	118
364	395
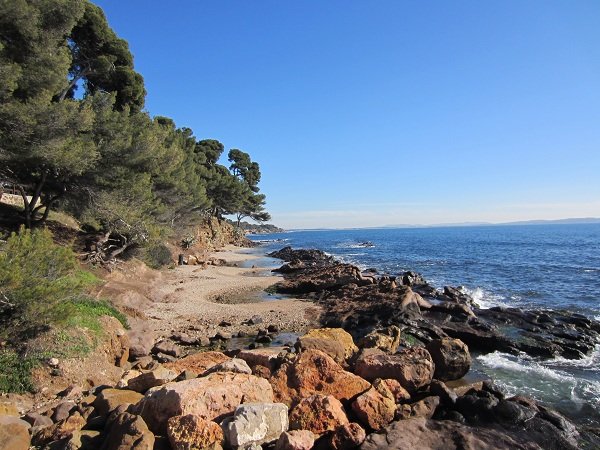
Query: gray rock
235	365
62	411
168	348
255	423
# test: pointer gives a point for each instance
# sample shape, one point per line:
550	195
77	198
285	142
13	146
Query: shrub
15	372
36	277
158	255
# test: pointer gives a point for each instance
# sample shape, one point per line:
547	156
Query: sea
553	267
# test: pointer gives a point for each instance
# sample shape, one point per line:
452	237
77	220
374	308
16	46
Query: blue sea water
528	266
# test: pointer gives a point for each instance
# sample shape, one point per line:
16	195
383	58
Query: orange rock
336	342
210	397
314	372
191	432
375	409
198	362
318	413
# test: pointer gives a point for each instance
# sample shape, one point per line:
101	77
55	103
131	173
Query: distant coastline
569	221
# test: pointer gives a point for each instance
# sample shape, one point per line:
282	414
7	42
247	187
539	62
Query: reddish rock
198	362
412	367
347	437
336	342
266	357
451	357
296	440
400	394
314	372
318	413
375	408
210	397
191	432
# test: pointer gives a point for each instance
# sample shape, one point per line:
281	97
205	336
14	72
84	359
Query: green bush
158	255
15	372
36	277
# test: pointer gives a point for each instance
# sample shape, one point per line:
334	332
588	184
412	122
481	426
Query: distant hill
574	220
263	228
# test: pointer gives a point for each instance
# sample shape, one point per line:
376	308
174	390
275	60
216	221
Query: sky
374	113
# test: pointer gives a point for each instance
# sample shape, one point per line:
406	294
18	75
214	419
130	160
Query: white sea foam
485	299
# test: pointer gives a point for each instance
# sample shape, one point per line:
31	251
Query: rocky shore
381	366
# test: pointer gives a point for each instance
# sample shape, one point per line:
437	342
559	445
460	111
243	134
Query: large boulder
318	414
14	433
423	434
235	365
314	372
191	432
255	423
324	278
387	339
198	362
336	342
109	399
451	358
212	397
128	431
375	408
412	367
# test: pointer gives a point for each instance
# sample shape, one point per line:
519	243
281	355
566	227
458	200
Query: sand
195	299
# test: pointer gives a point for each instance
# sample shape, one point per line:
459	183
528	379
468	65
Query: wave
486	299
549	380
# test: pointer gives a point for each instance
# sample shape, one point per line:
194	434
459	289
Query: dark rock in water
288	254
324	278
366	244
458	296
412	279
168	348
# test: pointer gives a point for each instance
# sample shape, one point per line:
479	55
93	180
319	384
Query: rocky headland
379	362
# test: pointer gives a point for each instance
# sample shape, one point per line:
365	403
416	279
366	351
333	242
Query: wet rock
412	279
109	399
288	254
347	437
198	362
210	397
128	431
255	423
451	358
192	432
375	408
168	348
222	335
295	440
235	365
387	339
318	414
314	372
457	295
412	367
336	342
184	339
14	433
156	377
447	396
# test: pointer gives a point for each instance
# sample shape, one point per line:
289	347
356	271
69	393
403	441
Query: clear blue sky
366	113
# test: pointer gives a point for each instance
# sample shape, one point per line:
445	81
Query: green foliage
158	255
95	153
36	278
84	313
15	372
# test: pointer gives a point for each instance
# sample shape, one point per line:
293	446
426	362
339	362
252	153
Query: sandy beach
196	299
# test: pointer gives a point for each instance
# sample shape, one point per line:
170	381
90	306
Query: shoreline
197	300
